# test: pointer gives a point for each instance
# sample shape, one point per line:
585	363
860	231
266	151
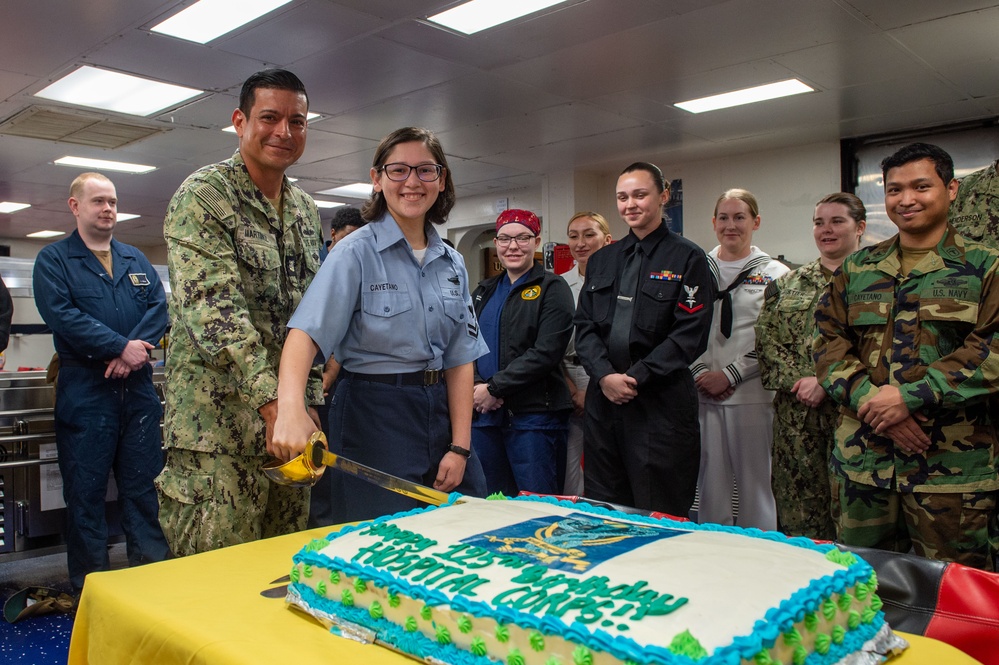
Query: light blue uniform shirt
379	312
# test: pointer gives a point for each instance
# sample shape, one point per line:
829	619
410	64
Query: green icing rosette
838	634
582	656
853	619
464	624
375	610
360	586
393	600
478	647
800	654
321	588
334	577
792	637
295	575
811	622
537	641
307	570
497	496
347	598
442	634
829	609
426	612
844	602
410	625
763	658
822	643
514	657
685	644
502	633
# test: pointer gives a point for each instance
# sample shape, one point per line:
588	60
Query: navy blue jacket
535	328
91	315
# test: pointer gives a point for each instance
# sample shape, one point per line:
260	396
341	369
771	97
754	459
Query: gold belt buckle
431	377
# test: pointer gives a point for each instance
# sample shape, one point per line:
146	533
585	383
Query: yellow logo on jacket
531	293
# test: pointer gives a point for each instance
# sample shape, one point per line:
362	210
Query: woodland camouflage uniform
935	335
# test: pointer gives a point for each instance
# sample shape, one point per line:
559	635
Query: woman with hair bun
736	414
392	305
804	420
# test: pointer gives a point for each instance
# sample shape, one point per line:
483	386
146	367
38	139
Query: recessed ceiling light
46	234
310	116
760	93
328	204
87	163
125	216
357	190
10	206
205	20
114	91
476	15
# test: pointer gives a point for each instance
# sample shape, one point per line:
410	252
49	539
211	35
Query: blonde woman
736	412
587	232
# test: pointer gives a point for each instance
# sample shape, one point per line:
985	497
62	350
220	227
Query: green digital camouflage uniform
803	436
975	210
237	273
935	335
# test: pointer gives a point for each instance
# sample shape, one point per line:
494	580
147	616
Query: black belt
427	377
88	364
574	360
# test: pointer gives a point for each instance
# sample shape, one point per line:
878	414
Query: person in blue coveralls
522	401
392	306
106	308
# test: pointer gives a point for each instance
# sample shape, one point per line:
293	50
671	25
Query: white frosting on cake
555	576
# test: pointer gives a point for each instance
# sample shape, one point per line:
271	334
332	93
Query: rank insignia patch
690	304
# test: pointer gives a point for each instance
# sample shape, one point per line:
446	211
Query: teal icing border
765	632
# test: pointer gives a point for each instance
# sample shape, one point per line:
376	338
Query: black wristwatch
464	452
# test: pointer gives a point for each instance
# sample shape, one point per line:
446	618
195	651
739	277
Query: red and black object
948	602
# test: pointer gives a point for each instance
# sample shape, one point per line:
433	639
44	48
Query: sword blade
384	480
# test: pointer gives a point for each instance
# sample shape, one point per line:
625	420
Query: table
209	609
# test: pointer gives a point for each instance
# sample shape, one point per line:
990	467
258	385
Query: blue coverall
104	424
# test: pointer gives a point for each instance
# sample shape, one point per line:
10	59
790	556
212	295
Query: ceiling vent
88	129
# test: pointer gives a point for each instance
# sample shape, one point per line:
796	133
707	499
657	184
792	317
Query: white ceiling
588	86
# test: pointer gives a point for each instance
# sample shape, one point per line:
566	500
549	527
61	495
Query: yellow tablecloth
209	609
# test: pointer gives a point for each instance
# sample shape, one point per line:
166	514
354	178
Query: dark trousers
525	452
403	430
645	453
103	425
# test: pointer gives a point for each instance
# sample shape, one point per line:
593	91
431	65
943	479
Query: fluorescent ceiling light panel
760	93
205	20
358	190
104	165
125	216
309	117
46	234
477	15
114	91
8	207
320	204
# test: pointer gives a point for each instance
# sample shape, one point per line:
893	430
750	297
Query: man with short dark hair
106	307
242	246
908	345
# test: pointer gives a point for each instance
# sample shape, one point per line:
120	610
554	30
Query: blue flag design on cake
574	543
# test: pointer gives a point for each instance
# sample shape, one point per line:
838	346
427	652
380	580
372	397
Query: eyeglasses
521	240
399	171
